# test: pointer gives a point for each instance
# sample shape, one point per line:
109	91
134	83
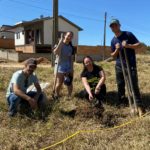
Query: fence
19	57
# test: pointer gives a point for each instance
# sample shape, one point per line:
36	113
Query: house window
18	35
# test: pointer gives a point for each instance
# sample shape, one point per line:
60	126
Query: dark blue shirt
131	39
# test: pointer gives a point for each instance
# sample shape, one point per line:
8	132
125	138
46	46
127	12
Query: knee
13	98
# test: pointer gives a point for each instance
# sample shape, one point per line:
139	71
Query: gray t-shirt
65	62
20	79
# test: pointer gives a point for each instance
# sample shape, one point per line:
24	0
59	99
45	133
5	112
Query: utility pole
104	42
55	28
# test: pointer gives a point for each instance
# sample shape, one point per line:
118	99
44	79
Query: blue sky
88	14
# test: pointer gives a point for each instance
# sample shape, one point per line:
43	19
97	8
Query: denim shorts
62	68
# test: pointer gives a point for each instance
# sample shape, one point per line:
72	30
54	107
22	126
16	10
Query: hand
97	90
33	103
91	97
124	44
117	46
61	37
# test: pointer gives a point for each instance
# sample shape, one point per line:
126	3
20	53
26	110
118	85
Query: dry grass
21	133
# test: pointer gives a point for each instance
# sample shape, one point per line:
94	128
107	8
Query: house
35	36
6	32
6	37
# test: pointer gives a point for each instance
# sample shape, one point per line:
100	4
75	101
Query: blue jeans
14	101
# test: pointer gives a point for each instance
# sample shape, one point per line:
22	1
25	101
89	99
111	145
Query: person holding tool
17	95
93	79
64	52
125	43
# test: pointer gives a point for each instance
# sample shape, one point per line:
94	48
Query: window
18	35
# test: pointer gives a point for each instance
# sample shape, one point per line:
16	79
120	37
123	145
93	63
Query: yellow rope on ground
93	131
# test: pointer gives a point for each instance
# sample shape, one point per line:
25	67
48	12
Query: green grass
21	133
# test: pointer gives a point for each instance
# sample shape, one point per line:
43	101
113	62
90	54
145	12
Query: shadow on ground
111	99
146	100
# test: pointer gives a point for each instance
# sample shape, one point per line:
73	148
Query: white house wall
63	26
21	40
48	26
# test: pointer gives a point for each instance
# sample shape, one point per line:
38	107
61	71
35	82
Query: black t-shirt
92	77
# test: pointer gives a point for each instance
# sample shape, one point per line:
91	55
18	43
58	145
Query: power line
83	17
30	5
62	12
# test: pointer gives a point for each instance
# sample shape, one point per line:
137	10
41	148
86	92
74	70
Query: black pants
100	96
121	83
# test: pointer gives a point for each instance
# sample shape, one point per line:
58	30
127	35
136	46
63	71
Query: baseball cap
114	21
31	62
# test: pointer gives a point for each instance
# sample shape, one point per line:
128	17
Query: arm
132	42
116	52
132	46
57	49
39	91
101	81
87	87
21	94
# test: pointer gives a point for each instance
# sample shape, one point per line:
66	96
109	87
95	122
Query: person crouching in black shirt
93	79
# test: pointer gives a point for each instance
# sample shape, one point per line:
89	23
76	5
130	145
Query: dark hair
89	58
84	67
69	32
70	43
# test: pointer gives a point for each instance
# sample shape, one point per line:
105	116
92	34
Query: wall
18	57
7	34
7	43
28	48
48	26
8	55
96	52
63	26
20	41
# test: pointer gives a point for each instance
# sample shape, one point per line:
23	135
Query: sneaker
11	114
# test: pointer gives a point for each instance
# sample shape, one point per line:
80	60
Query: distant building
6	32
36	35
